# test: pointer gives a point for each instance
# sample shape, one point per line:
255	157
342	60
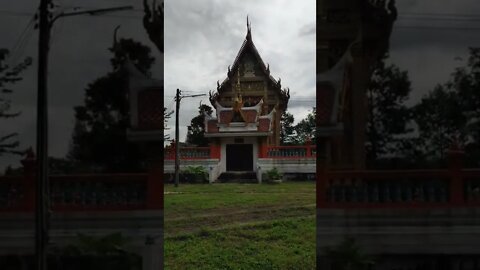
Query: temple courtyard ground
240	226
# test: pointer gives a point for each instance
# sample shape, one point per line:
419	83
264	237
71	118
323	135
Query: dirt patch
225	217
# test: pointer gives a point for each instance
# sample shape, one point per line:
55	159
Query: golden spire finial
238	80
249	29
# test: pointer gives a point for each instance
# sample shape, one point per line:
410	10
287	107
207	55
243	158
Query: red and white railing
451	187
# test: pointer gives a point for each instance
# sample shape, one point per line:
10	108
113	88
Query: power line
439	19
21	36
410	15
170	106
306	99
441	14
16	13
27	13
18	48
422	27
416	14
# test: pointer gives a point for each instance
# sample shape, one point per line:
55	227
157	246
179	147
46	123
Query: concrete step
238	177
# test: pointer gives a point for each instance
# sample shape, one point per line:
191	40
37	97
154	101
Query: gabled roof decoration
247	46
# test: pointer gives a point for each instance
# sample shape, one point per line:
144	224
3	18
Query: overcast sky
203	37
431	38
78	56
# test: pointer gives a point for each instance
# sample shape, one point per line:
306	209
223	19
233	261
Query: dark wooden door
239	157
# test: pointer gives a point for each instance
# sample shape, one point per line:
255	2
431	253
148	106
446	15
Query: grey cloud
308	29
78	55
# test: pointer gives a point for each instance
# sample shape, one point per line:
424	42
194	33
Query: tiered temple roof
250	100
247	52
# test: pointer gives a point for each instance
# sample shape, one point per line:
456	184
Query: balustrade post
29	183
169	152
308	144
154	192
455	163
214	151
322	180
218	152
263	150
173	150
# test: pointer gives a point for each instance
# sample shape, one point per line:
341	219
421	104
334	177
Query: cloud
202	38
428	36
308	29
78	55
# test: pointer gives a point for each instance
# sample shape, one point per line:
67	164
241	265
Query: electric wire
412	16
18	48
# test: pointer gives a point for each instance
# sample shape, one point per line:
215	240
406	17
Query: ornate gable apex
247	54
248	48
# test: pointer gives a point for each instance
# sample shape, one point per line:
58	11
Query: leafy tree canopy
9	76
306	128
452	112
196	130
99	136
287	129
388	115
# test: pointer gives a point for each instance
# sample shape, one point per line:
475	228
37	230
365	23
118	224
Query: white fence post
259	174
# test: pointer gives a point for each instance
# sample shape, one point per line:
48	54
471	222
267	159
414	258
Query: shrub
274	174
195	174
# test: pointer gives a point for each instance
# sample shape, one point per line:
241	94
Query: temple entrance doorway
239	157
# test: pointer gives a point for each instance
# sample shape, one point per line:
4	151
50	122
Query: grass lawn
240	226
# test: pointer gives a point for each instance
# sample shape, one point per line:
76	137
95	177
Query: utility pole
42	206
177	136
178	98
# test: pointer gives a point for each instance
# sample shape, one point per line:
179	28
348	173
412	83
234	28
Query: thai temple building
402	219
352	36
248	104
244	130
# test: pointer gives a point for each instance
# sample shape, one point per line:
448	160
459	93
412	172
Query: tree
286	128
196	130
99	135
8	76
166	116
305	129
465	81
452	110
388	115
439	117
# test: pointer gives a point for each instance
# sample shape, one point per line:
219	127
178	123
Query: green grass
240	226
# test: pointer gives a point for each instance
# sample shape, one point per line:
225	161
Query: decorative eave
269	117
140	84
255	125
330	88
249	45
378	18
256	108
